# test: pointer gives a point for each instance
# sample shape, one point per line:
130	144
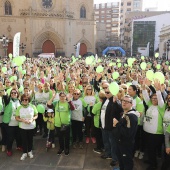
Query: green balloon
158	66
156	55
111	64
99	69
143	65
150	75
114	88
119	65
142	57
18	61
125	65
114	64
4	69
115	75
169	67
99	60
118	60
130	62
160	77
40	108
10	56
89	60
167	62
23	71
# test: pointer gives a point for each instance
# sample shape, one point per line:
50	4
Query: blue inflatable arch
114	48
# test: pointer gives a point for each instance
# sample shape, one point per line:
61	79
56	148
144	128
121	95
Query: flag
16	44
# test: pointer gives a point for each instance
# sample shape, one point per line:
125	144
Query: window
103	5
96	12
8	8
115	11
128	9
128	3
97	6
109	5
115	16
83	12
103	12
115	4
121	3
108	16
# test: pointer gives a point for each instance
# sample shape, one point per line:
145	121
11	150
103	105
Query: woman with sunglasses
166	126
10	127
62	117
90	99
153	122
26	114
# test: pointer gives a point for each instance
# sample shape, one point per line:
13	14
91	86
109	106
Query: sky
163	5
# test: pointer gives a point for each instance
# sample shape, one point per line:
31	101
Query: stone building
49	26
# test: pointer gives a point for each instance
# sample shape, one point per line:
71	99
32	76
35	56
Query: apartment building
127	6
109	13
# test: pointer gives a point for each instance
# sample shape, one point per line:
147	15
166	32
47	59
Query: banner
77	50
16	44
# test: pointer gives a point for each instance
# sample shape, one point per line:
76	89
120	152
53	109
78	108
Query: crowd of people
79	103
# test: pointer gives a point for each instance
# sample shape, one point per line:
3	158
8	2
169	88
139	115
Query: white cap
50	111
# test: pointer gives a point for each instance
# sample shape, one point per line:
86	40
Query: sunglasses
105	87
13	92
107	92
25	100
76	94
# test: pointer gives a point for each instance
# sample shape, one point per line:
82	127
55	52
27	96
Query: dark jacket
113	110
126	128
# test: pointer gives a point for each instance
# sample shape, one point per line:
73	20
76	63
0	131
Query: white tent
46	55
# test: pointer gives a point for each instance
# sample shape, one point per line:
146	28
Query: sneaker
87	140
74	145
24	155
9	153
99	151
3	148
30	154
66	152
141	155
19	149
113	163
136	154
106	157
81	145
93	140
60	152
53	145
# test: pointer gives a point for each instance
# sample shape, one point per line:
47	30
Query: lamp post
167	49
4	41
22	47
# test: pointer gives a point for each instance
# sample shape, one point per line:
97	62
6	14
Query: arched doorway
83	49
10	48
48	47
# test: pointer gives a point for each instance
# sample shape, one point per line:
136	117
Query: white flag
16	44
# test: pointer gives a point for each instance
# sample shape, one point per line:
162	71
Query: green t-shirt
62	113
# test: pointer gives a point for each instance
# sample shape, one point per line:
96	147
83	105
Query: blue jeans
109	144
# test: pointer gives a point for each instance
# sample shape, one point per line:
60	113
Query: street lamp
167	48
4	41
22	47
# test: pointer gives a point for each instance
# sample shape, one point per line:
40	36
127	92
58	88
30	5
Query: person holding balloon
153	122
110	109
26	115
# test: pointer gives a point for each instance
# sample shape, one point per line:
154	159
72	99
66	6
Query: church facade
49	26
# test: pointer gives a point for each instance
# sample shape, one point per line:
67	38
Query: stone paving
79	159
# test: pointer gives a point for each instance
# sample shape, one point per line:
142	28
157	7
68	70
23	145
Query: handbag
64	127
